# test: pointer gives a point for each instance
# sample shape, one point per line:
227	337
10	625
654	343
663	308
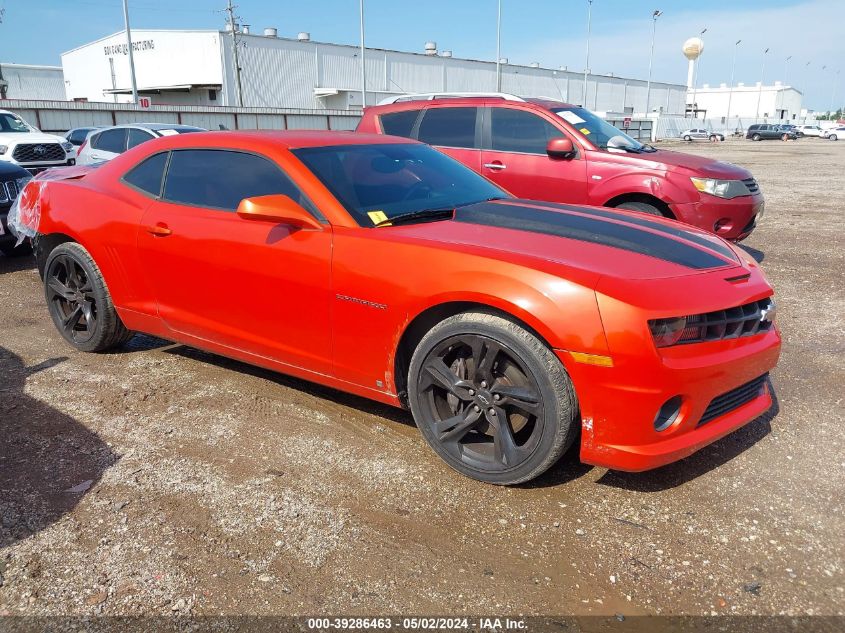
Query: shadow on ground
758	255
15	264
43	455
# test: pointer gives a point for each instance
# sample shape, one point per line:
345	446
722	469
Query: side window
136	137
448	127
520	131
147	175
220	179
77	136
111	141
399	123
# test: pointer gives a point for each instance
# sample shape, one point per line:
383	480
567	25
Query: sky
552	32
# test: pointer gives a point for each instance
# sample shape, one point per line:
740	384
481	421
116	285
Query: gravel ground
160	480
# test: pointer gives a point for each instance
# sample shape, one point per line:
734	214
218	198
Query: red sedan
381	267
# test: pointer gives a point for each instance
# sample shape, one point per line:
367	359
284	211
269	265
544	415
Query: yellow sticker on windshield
585	131
377	216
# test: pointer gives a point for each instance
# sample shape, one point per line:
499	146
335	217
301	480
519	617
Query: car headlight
68	147
720	188
3	149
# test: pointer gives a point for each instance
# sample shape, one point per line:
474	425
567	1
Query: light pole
363	59
657	13
731	87
762	75
499	49
129	47
587	62
695	75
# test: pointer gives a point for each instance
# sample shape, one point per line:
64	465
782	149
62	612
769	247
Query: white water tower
693	48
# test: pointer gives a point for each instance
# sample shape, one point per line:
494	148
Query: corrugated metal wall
33	82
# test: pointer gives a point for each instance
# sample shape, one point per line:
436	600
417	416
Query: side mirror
279	209
561	147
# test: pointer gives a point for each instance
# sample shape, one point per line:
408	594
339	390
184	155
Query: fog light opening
668	413
723	225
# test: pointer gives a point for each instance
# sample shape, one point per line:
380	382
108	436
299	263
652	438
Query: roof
290	139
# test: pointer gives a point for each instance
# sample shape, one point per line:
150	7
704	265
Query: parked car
549	150
835	133
113	141
28	147
767	131
78	135
701	134
809	130
12	180
381	267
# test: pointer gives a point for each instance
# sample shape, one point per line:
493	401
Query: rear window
147	175
136	137
111	141
399	123
449	127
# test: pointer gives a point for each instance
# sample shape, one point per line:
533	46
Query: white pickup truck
24	145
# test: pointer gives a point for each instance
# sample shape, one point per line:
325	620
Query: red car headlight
667	332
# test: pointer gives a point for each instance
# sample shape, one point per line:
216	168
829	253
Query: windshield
11	123
598	131
378	182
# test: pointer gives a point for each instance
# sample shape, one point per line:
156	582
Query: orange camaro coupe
379	266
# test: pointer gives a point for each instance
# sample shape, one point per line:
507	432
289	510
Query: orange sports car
381	267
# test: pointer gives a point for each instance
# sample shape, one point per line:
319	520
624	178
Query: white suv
30	148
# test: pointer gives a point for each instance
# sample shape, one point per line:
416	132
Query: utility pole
587	62
499	49
657	13
731	87
363	60
230	9
129	47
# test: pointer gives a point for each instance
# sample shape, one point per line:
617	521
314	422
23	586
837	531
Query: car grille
8	191
751	185
744	320
38	152
733	399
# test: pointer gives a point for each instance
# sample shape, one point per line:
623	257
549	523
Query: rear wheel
756	137
643	207
79	302
687	137
492	400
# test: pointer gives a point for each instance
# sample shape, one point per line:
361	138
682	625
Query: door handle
159	230
497	166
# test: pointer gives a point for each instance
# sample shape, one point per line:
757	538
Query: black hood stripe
509	215
674	231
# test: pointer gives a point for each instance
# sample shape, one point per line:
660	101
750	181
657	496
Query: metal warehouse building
196	67
23	81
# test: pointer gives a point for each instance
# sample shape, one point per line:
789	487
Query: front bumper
619	404
733	219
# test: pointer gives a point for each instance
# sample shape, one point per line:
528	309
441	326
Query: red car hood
587	242
698	165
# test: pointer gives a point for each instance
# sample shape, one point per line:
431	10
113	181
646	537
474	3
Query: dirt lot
162	480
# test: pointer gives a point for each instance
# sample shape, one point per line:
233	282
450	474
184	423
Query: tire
833	137
642	207
784	137
10	250
463	380
687	138
76	292
756	137
713	138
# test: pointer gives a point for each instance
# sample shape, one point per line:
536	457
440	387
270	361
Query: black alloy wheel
79	302
483	403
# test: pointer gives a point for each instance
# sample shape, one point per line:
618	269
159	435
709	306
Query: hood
29	137
599	241
698	165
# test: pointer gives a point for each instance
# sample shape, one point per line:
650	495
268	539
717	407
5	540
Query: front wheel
79	301
642	207
833	137
784	137
491	399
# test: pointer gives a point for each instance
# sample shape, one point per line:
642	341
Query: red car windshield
598	131
378	182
